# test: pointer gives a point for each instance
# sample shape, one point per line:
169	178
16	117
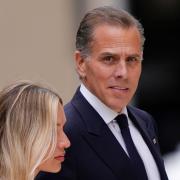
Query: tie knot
122	121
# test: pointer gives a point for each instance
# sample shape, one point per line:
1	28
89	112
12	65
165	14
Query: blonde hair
28	124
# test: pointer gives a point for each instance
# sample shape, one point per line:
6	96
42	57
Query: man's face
112	70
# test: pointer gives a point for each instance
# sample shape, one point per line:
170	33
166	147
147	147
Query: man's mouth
119	88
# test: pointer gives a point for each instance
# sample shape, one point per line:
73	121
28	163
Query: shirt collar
104	111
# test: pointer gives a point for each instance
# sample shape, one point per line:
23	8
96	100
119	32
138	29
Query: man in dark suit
108	58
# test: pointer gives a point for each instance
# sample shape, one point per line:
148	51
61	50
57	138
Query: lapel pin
154	140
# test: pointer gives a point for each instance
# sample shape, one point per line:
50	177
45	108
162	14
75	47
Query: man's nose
121	69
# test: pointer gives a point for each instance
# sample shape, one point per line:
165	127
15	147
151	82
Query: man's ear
80	64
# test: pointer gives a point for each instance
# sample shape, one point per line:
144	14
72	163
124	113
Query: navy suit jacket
95	154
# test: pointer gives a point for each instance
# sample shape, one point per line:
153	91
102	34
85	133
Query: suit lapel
98	135
150	141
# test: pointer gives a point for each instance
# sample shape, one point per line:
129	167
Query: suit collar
106	113
93	121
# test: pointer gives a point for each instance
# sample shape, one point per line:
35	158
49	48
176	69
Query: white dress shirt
108	116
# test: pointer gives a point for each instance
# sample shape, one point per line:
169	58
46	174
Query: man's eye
108	59
132	59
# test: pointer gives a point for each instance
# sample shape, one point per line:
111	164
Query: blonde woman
31	131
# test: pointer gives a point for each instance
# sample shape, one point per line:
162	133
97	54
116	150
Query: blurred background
37	42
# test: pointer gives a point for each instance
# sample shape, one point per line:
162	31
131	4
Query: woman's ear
80	64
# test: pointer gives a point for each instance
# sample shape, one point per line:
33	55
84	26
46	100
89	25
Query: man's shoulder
142	115
76	101
139	112
68	107
70	112
74	122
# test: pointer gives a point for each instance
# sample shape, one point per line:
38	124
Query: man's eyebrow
108	54
115	54
135	55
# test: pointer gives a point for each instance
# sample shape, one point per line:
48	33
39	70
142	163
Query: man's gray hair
103	15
